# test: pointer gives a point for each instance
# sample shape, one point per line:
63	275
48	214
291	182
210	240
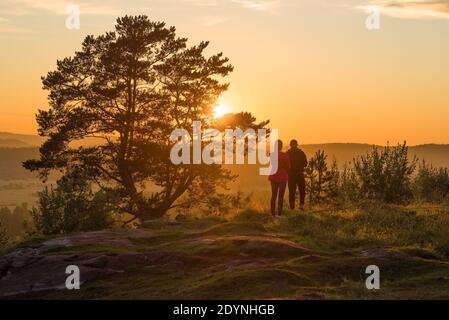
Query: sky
310	66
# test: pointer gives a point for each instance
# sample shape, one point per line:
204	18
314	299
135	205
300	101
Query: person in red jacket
279	178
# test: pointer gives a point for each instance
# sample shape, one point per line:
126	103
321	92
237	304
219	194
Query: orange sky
310	66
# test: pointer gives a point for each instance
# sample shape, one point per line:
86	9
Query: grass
311	255
370	226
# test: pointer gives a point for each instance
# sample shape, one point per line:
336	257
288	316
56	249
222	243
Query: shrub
3	237
333	188
13	221
348	185
321	183
73	206
431	184
385	174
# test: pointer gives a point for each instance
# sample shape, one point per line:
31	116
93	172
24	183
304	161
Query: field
312	255
15	192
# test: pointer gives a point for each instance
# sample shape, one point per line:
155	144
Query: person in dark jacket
296	179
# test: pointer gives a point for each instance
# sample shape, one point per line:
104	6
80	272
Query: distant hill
11	163
343	152
12	143
28	139
436	154
16	149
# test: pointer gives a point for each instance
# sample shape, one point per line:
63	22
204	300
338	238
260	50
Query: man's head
294	144
279	145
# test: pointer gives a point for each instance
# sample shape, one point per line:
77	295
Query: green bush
431	184
13	221
348	185
73	206
3	237
383	174
322	183
386	174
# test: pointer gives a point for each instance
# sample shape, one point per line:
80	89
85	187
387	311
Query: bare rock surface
34	268
38	268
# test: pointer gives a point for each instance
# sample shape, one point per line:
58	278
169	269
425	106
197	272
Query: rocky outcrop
35	268
41	267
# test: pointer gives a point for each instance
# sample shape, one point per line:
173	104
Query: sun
220	110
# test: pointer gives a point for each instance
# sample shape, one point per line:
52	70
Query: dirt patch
384	253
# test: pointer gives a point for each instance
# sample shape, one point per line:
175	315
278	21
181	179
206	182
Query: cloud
55	7
10	10
412	9
210	21
259	5
8	29
117	7
202	3
256	5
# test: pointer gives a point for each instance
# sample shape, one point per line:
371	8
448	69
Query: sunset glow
326	79
220	110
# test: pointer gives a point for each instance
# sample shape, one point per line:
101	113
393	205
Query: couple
291	165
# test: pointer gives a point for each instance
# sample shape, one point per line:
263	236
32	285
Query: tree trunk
152	214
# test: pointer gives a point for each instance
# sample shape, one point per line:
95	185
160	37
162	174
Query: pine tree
333	186
311	181
349	187
132	88
319	178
